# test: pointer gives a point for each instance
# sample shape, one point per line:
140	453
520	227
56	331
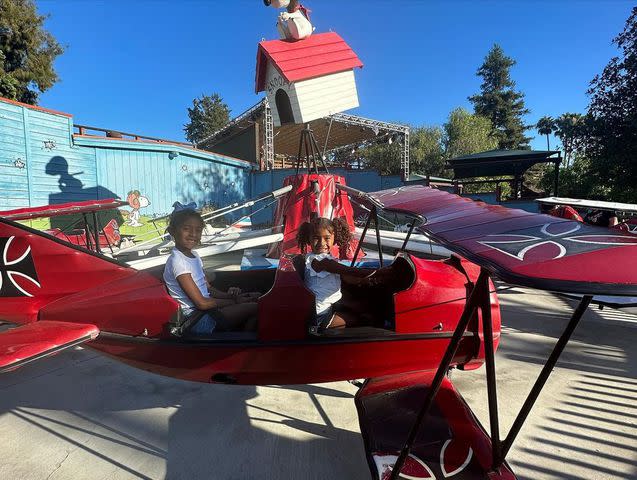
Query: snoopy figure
136	201
294	23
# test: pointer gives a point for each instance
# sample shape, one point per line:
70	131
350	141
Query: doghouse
307	79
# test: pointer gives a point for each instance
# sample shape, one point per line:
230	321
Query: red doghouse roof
317	55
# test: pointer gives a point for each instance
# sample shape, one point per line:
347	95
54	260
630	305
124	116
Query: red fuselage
132	309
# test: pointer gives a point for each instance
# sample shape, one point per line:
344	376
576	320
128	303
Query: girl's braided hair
338	227
178	217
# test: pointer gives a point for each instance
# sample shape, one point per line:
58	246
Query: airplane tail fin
37	269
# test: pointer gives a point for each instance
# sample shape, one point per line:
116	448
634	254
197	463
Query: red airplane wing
523	248
36	340
450	443
46	211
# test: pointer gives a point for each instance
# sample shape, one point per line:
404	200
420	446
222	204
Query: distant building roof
417	177
317	55
500	162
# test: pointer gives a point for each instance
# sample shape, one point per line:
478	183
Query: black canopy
500	162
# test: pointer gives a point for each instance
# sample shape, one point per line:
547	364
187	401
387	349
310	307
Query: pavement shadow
140	425
586	427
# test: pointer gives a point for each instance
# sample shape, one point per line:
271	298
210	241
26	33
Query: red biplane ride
84	229
426	316
574	208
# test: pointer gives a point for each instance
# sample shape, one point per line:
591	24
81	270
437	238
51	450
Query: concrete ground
82	416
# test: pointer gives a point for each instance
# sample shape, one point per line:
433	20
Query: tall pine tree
207	115
499	102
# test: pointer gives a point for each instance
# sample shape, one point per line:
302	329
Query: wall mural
136	201
49	144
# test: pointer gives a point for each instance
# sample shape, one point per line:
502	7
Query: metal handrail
110	133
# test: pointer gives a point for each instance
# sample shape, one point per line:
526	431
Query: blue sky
136	66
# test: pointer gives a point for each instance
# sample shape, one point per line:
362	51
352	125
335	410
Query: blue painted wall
14	183
42	163
38	162
189	176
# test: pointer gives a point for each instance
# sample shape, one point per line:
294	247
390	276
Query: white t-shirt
179	264
326	286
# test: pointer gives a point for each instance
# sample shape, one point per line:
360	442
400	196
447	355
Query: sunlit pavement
82	416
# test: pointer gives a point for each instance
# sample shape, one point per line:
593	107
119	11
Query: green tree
571	129
425	153
207	115
575	180
499	102
612	141
382	157
27	52
466	133
545	126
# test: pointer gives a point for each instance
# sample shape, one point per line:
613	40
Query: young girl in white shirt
187	282
323	271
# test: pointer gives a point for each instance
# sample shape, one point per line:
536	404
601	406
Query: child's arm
333	266
191	289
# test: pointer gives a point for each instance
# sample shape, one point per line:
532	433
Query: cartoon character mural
136	201
294	23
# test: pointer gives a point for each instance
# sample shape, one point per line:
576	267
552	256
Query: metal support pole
298	157
309	161
269	136
360	241
380	246
404	156
96	233
87	232
475	299
544	375
411	229
489	355
317	152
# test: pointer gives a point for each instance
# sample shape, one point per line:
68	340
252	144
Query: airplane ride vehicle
422	316
574	208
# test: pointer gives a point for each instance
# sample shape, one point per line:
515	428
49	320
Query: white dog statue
294	23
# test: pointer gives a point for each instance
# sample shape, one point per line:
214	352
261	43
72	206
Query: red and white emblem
556	240
414	468
18	277
454	457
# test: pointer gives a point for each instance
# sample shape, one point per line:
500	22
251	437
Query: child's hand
234	291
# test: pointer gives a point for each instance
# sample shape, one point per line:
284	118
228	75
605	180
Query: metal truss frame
262	108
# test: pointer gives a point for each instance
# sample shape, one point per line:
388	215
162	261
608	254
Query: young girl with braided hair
323	271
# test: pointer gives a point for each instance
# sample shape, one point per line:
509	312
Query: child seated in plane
323	271
187	282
